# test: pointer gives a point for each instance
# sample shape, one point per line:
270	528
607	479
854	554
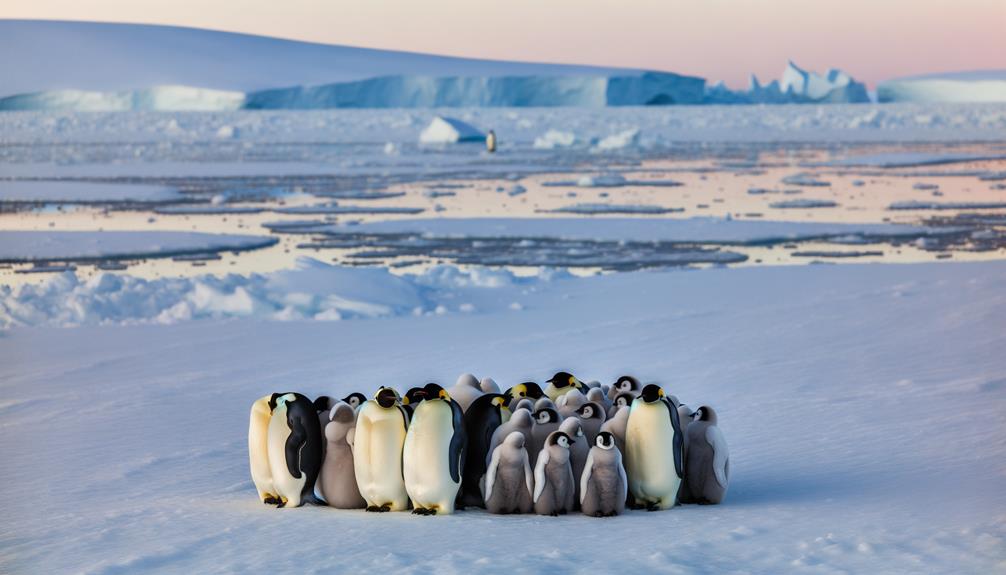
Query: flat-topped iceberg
986	86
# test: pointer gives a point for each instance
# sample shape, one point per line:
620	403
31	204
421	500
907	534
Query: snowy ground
864	407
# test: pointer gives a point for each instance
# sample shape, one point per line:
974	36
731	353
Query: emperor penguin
434	453
707	468
258	449
624	384
554	490
381	425
489	385
578	451
603	484
466	390
600	397
622	401
591	419
561	383
653	444
337	480
509	479
355	400
521	421
412	398
491	141
527	390
481	420
616	427
568	403
294	439
546	420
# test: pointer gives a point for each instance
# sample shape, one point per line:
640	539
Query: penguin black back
484	415
303	446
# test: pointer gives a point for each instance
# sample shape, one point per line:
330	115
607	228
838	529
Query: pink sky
719	39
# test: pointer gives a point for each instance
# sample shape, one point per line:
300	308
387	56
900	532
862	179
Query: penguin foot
373	508
384	508
419	511
653	507
270	500
600	514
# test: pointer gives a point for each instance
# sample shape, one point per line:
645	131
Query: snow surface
977	86
40	192
863	405
28	246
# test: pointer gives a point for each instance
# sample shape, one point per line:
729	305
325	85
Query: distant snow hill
978	86
101	66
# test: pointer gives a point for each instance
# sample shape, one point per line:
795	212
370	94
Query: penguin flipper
459	441
294	443
721	455
585	478
491	473
679	438
539	474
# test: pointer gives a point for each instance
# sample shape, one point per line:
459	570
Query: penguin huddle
567	447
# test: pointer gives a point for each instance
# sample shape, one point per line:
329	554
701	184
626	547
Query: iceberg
985	86
444	130
797	86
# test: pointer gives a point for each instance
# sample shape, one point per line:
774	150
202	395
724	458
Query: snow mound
313	290
625	139
445	130
555	139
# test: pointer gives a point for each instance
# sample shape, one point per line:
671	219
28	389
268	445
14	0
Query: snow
555	139
43	192
977	86
446	130
28	246
863	406
624	139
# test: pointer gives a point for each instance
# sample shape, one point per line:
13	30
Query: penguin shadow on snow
767	485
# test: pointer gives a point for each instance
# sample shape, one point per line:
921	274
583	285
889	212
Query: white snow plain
863	405
29	246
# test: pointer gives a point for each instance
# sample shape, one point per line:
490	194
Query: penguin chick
561	383
603	485
523	404
323	405
600	397
337	479
578	451
521	421
355	400
623	401
466	390
489	385
569	402
591	419
509	479
624	384
546	420
554	489
707	469
616	427
544	402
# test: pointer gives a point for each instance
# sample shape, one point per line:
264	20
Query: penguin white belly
649	441
427	457
377	456
287	486
258	448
